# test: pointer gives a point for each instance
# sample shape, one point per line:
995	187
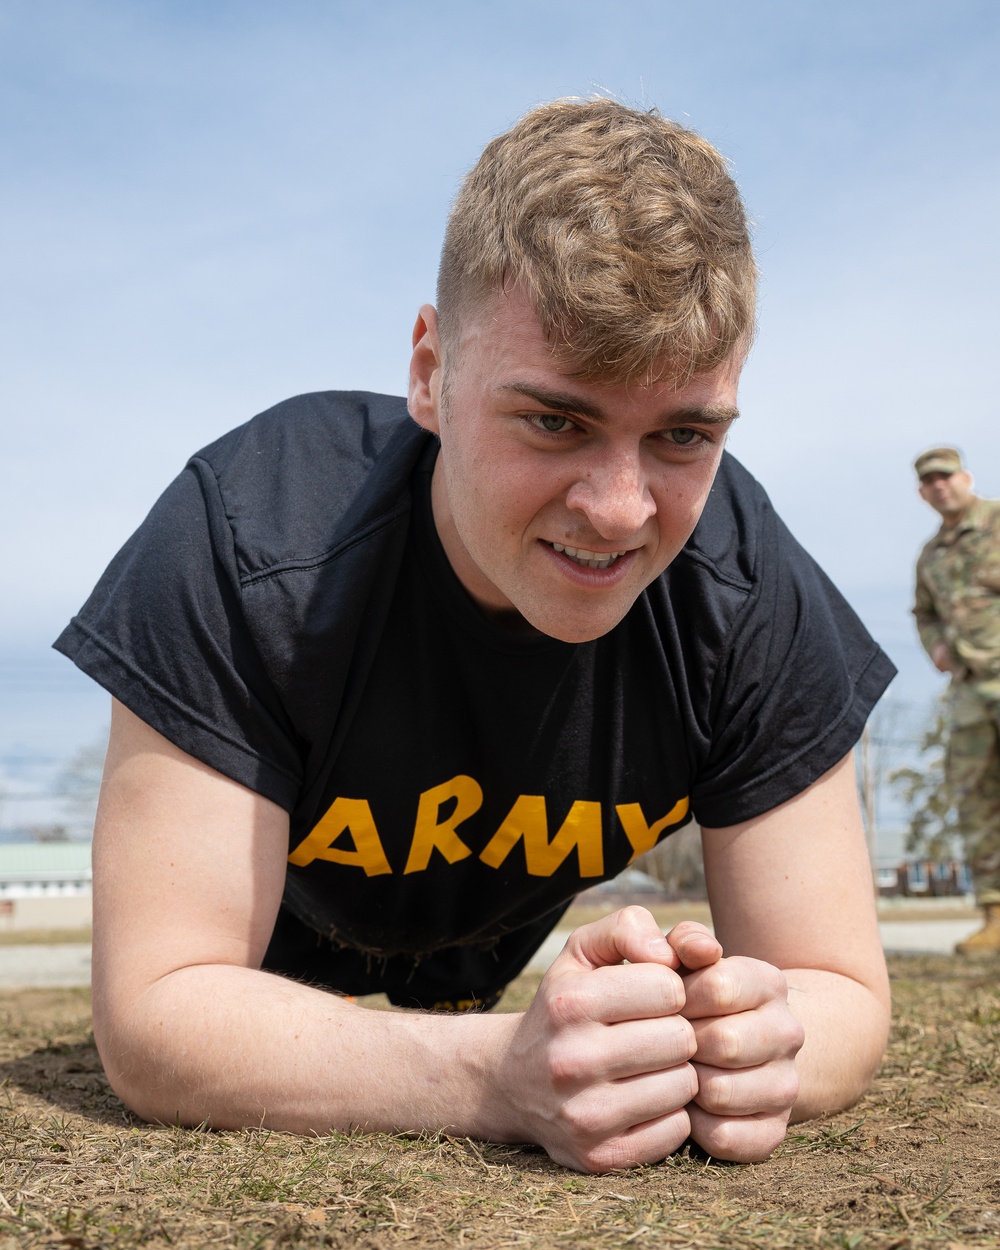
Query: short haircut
626	232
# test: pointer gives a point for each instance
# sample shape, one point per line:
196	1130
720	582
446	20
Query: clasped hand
636	1041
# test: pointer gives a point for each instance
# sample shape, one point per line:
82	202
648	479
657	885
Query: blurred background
211	206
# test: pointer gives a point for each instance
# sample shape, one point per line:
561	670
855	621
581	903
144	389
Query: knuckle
779	983
727	1043
796	1035
786	1030
610	1156
671	988
567	1064
749	1140
788	1088
629	919
751	978
686	1039
569	1004
583	1120
720	1139
633	913
769	1136
684	930
724	985
717	1092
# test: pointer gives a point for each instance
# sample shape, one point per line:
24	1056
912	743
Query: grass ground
44	937
914	1165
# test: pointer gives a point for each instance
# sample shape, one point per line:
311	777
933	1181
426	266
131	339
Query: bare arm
792	889
188	876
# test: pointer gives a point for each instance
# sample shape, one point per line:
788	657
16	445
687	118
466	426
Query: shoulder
309	443
728	567
743	567
779	671
735	528
355	424
988	513
304	476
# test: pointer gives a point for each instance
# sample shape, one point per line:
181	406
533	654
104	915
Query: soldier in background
958	616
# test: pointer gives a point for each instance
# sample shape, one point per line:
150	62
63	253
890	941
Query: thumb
630	934
695	945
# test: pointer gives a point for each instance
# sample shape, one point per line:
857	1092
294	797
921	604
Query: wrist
483	1083
503	1078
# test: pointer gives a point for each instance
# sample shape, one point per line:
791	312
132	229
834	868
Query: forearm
234	1047
189	869
846	1028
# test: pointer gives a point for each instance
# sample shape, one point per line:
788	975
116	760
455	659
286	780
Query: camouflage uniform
958	603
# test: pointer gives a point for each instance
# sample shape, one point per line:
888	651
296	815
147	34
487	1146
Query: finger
640	1144
609	995
741	1139
769	1089
630	934
695	945
599	1121
732	985
749	1038
621	1051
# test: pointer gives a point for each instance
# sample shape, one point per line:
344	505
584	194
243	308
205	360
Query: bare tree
677	864
79	783
885	739
49	833
934	831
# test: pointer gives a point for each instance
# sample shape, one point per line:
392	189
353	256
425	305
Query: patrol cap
938	460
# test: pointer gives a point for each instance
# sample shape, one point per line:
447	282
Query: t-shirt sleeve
165	632
797	677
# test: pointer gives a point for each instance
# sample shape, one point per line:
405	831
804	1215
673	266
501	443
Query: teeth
592	559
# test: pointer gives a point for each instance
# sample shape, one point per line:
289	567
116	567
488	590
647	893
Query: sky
211	206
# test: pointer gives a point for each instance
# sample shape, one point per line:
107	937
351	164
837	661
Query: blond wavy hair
625	230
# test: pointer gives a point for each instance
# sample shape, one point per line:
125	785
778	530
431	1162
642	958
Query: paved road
925	937
23	966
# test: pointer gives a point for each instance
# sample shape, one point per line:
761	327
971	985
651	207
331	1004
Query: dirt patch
913	1165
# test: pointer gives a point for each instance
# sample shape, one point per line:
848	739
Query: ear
424	392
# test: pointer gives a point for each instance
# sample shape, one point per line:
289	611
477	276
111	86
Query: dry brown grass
913	1165
45	937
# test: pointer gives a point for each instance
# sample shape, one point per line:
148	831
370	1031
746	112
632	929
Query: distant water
48	711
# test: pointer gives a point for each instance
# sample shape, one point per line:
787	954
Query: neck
954	518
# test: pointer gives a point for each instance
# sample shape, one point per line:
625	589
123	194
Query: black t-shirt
287	615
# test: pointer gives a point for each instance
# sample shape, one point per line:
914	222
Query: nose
614	496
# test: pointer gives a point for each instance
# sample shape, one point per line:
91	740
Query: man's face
557	497
947	493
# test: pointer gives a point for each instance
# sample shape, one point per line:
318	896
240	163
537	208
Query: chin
568	630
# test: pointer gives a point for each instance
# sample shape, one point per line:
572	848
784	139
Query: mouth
588	559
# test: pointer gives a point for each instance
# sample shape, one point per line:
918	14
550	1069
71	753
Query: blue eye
684	437
551	422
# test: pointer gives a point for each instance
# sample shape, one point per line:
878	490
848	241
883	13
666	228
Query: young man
958	617
390	692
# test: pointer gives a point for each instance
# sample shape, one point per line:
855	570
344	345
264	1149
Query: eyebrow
560	401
